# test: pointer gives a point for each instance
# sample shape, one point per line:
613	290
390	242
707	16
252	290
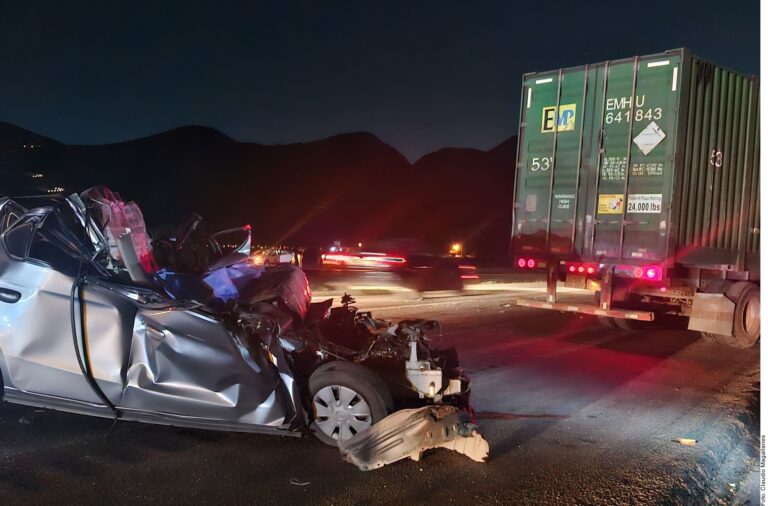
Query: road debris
410	432
686	441
297	482
24	420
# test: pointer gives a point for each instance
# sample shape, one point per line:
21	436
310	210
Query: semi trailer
639	179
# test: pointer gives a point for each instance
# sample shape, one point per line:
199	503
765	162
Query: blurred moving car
407	262
101	319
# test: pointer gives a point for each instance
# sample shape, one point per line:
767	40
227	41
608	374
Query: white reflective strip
674	79
529	98
632	315
600	312
658	63
546	306
544	81
572	308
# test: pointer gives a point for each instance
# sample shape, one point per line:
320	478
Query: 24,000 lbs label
644	203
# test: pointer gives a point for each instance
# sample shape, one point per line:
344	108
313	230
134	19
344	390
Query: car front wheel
346	399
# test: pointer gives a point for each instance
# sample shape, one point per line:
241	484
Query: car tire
346	398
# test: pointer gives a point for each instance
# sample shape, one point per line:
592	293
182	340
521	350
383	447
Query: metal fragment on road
409	432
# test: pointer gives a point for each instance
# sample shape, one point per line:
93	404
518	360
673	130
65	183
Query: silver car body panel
35	336
186	364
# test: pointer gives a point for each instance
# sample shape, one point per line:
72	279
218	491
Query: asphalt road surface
575	413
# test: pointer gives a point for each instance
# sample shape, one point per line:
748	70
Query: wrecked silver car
100	319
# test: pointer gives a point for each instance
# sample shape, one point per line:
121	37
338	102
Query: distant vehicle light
531	263
637	272
590	270
581	269
572	268
521	263
651	273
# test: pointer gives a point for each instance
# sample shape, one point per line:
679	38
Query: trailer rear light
648	272
586	268
531	263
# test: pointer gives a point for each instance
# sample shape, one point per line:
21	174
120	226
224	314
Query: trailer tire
746	317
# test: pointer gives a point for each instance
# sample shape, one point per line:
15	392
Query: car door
186	364
38	266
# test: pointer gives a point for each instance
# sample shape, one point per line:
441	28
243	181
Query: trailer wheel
746	317
746	320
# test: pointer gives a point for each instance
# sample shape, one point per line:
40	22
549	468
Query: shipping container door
632	208
548	164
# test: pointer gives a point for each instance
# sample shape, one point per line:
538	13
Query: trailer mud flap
712	312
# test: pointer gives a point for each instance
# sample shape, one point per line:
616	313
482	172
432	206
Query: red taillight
572	268
649	272
590	270
581	269
531	263
521	263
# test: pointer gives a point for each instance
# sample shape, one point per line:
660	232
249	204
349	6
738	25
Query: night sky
419	74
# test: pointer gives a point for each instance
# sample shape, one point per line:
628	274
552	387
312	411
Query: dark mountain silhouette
351	187
12	136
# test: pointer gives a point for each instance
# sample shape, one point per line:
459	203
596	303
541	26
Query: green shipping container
646	160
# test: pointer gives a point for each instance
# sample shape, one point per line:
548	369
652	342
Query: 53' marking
541	163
